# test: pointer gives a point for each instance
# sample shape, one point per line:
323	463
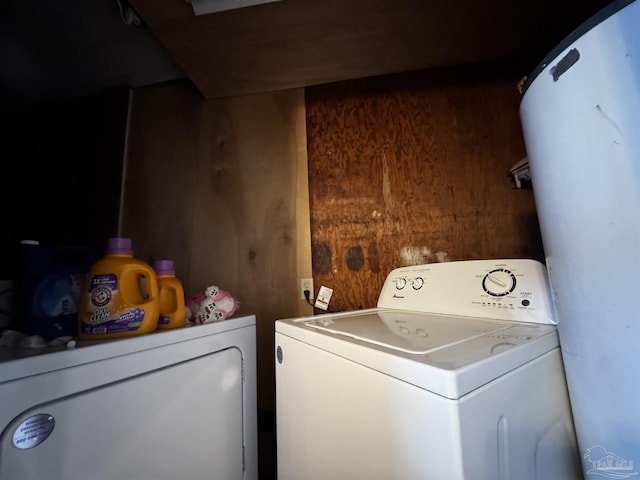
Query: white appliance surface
389	392
581	122
171	404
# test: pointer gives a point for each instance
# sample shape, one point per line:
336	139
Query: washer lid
446	354
409	332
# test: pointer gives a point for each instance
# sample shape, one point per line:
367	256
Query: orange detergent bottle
121	297
172	302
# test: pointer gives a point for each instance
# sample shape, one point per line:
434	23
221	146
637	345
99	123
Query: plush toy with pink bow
213	305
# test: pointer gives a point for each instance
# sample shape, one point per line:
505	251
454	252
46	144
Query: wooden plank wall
410	169
216	186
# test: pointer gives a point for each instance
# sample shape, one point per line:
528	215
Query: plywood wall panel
214	185
413	169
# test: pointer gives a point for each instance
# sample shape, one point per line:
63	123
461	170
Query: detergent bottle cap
119	245
164	267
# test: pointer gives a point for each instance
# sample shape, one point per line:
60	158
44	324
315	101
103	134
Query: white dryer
456	374
163	406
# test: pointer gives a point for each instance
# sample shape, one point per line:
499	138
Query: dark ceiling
63	48
56	49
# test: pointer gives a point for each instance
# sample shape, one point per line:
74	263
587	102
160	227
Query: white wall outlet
306	284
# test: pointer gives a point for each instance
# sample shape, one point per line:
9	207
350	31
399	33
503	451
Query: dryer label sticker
33	431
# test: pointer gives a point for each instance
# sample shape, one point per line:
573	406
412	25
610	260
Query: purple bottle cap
164	267
119	245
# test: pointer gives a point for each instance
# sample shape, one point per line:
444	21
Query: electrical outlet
306	284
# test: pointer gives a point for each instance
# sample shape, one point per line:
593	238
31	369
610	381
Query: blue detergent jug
48	288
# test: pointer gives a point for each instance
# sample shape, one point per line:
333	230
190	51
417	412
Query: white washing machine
163	406
456	374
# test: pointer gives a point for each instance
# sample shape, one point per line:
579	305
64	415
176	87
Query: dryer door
182	421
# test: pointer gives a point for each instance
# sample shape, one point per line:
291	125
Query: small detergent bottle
121	296
172	302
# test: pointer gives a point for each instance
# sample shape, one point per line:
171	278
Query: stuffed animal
213	305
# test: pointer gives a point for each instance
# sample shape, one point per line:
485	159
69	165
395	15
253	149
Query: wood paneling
413	169
214	185
297	43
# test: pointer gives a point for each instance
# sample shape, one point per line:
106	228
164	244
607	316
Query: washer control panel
510	289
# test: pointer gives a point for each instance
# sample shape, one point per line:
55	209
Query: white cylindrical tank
581	120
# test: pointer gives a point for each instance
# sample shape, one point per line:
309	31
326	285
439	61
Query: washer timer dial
499	282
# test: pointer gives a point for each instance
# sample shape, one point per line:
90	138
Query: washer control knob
401	283
499	282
